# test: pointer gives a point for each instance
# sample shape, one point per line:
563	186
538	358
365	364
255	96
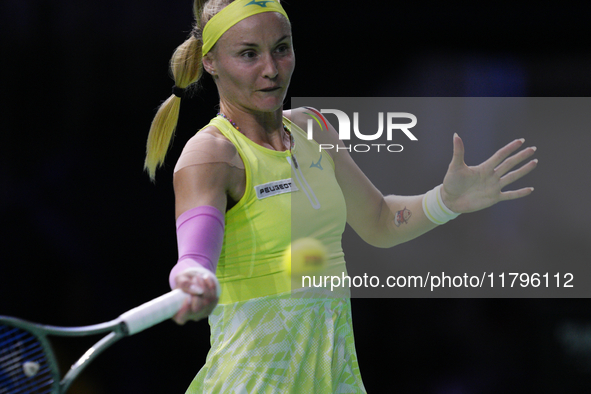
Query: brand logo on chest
274	188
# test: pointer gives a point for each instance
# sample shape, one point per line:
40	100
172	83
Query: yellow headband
232	14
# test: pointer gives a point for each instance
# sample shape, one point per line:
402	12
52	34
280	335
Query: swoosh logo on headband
259	3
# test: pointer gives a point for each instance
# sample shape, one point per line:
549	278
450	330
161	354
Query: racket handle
153	312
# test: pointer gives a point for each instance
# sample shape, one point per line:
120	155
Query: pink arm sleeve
200	234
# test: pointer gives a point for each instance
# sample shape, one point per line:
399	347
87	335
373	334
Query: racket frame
117	328
129	323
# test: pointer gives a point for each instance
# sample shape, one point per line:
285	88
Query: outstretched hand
468	189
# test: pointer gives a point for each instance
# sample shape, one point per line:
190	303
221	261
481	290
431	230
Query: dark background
86	235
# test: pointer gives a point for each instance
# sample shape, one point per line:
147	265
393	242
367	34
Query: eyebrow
250	44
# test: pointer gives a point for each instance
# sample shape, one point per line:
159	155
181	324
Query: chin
270	105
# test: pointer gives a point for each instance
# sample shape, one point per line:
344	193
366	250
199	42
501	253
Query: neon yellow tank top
282	202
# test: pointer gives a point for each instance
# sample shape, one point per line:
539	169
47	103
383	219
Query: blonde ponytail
186	68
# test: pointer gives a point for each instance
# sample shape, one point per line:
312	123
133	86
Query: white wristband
435	209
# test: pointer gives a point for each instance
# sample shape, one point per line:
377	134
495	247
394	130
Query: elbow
384	244
382	240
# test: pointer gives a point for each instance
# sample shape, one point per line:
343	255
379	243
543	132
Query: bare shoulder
211	137
207	172
209	146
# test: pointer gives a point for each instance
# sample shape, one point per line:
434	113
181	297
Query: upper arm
198	185
206	173
364	201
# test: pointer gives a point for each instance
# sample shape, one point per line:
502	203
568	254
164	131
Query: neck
263	128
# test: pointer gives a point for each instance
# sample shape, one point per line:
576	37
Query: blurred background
85	235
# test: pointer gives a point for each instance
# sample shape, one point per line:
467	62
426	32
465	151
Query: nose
270	69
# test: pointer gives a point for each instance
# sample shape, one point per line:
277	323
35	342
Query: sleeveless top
282	202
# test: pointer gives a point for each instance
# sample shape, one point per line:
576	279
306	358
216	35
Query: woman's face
253	62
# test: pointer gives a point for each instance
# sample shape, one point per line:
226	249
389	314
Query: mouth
270	89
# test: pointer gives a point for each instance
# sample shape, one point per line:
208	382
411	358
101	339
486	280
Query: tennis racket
27	362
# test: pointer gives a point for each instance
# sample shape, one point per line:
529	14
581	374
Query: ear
209	63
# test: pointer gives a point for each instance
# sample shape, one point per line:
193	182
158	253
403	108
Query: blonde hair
186	69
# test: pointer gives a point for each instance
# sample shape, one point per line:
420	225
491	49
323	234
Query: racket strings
24	367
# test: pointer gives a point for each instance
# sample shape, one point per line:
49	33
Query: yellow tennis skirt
281	344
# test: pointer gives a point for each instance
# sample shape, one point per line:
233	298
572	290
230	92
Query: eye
248	54
282	48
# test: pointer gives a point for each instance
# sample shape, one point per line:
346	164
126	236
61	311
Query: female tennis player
244	188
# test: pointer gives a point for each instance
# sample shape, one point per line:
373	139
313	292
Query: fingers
202	286
504	152
512	176
458	155
197	307
181	317
211	286
512	161
514	194
196	286
515	175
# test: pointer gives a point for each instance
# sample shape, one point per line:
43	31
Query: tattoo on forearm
402	216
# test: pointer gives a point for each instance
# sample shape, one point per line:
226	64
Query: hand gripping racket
27	363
